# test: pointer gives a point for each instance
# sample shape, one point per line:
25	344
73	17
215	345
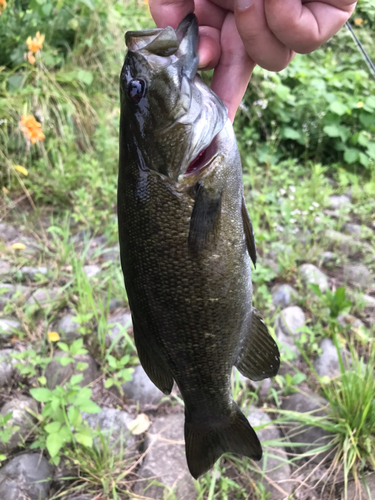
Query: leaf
76	379
54	443
290	133
351	155
18	246
21	169
364	159
53	427
139	425
85	77
84	439
315	288
298	378
74	416
88	4
338	108
89	407
41	394
53	336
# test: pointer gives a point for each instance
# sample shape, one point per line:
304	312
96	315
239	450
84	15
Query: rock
282	295
313	436
311	274
21	418
141	389
8	327
27	476
68	328
91	271
17	293
120	324
272	265
328	362
339	201
56	374
369	301
354	229
116	304
262	387
347	320
5	268
358	275
344	243
6	368
366	490
32	272
274	462
7	232
328	257
288	322
43	296
111	254
165	462
113	427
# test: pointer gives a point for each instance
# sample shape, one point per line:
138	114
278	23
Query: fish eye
136	89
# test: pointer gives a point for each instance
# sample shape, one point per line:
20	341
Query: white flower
291	197
292	188
292	221
282	191
315	204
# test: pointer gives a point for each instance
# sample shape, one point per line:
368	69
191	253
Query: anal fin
259	357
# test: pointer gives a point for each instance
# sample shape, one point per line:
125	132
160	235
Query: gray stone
17	293
354	229
25	477
8	327
57	374
116	332
116	304
111	254
283	295
5	268
365	490
311	274
113	427
358	275
328	257
344	243
349	321
339	201
43	296
7	232
32	272
288	322
165	461
274	462
369	301
272	265
68	328
6	367
141	389
328	362
311	437
92	270
21	419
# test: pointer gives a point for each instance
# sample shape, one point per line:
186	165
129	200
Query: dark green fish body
186	241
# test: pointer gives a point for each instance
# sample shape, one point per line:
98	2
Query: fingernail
243	4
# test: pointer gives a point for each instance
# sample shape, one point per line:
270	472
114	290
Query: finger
209	49
233	72
260	43
305	26
170	12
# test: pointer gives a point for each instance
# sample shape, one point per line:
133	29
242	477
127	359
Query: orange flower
3	6
358	21
36	43
32	130
30	57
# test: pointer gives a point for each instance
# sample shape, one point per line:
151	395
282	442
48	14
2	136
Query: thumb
170	13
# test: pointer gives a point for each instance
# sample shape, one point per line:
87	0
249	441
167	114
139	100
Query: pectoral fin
249	233
204	219
259	357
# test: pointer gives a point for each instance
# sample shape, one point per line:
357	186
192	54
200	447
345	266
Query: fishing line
362	50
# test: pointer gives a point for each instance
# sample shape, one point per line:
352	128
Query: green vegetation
304	134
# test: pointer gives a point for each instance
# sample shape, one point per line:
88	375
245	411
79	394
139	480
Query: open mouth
204	159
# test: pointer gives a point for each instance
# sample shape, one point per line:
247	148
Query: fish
187	242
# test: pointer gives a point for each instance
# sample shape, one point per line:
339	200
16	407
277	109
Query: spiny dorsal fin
249	233
259	357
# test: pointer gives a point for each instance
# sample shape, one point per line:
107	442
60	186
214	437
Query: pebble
274	462
5	268
358	275
92	270
31	273
119	325
6	367
7	232
113	427
287	325
328	362
43	296
56	374
347	320
311	274
354	229
111	254
312	436
67	328
141	389
339	201
346	244
283	295
366	490
116	304
8	326
165	461
27	476
328	257
369	301
21	418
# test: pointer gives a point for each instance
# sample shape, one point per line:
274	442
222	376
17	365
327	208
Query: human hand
235	35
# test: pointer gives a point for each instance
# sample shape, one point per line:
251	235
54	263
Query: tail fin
206	441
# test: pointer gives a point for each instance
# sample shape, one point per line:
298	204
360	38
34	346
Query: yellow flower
21	169
53	336
32	130
30	57
36	43
5	190
358	21
18	246
3	6
360	104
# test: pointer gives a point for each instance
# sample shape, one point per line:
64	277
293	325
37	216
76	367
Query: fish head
168	115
